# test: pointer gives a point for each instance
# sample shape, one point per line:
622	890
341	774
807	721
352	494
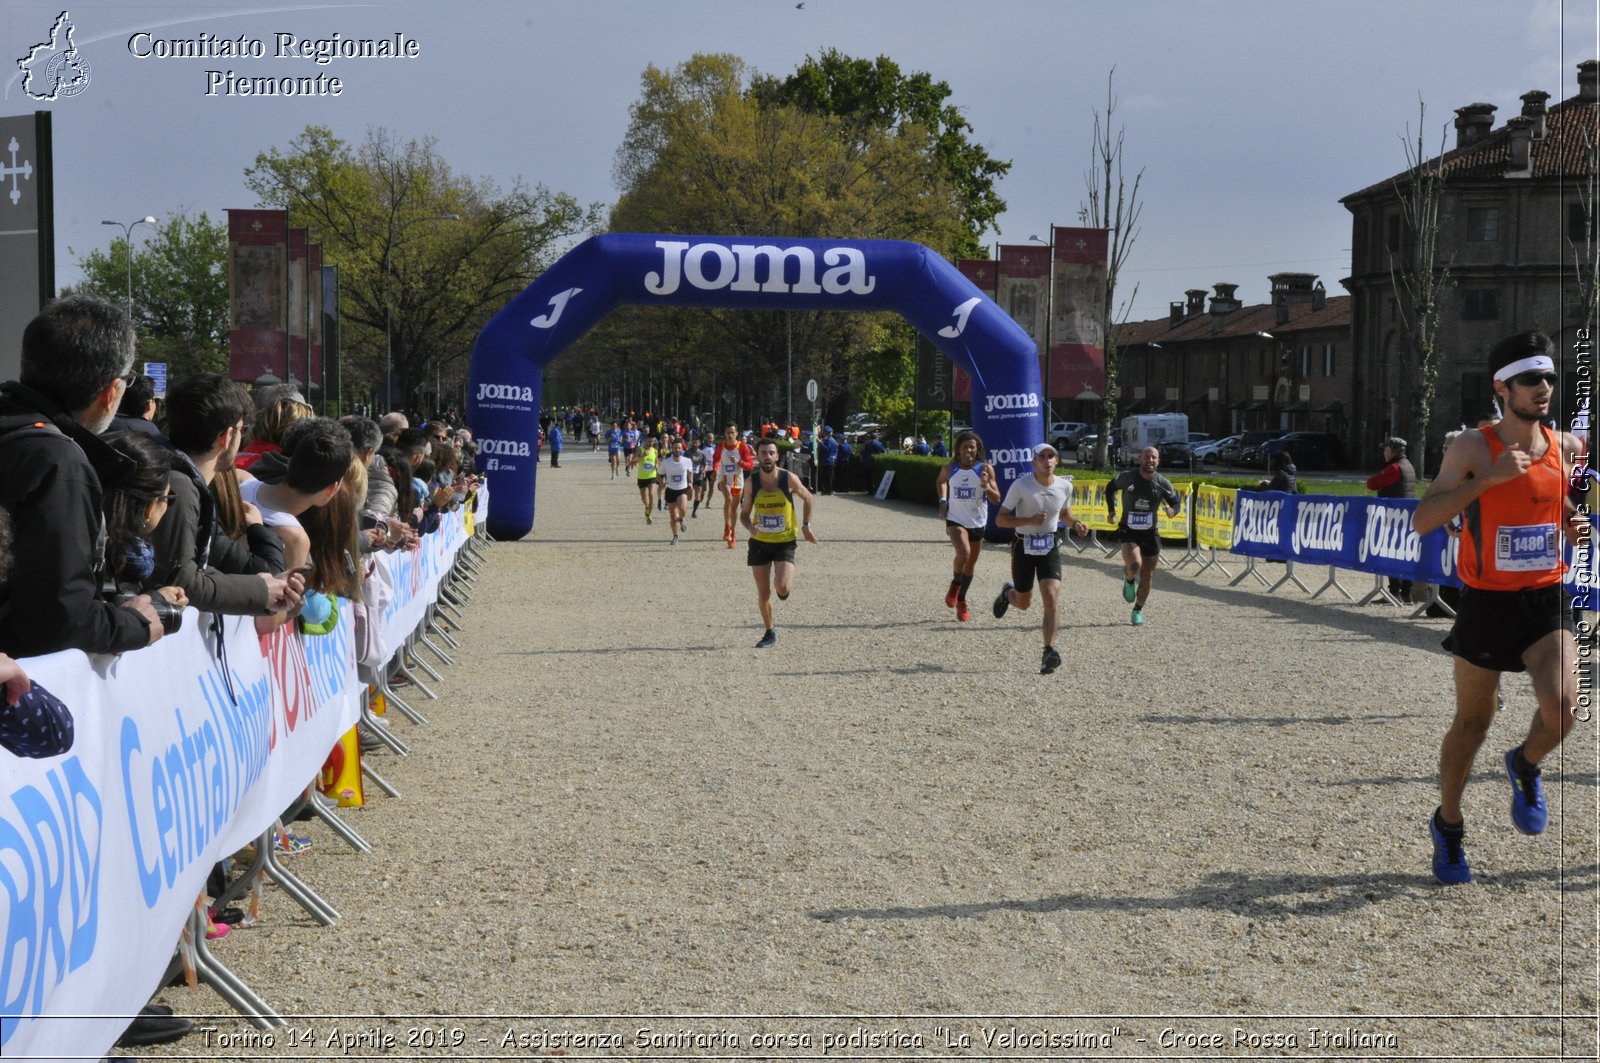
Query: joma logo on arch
758	268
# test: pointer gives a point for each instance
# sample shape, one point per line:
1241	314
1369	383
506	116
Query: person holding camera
76	354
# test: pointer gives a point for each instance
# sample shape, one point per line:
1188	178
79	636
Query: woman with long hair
133	507
966	488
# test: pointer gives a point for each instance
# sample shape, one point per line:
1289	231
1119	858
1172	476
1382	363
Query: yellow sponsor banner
1213	516
471	516
341	774
1176	527
1089	504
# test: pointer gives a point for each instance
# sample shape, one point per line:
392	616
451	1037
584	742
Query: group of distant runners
1511	490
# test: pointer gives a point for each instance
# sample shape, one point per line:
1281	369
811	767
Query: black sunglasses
1530	380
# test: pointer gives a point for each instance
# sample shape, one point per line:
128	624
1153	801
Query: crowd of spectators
118	519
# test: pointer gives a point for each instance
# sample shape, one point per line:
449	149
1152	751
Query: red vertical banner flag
314	381
1077	345
258	309
299	240
1023	291
981	272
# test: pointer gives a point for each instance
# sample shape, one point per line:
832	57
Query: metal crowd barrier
193	957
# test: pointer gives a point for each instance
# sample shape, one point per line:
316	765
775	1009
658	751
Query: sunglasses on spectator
1531	380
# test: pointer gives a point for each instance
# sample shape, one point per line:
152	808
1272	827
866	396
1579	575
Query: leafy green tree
180	292
711	148
873	96
425	255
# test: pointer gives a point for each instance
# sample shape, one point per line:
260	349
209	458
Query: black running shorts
1148	542
1025	568
1493	629
762	553
974	535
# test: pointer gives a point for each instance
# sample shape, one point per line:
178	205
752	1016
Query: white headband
1526	365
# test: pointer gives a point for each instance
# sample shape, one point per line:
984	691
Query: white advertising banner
183	753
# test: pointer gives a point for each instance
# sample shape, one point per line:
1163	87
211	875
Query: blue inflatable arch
746	273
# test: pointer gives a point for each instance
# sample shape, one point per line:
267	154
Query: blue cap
827	429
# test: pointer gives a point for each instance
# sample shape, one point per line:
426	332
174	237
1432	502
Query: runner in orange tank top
1509	482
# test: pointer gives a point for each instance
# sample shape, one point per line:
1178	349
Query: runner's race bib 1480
1527	548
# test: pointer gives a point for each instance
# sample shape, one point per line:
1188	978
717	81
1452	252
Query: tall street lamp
388	302
127	247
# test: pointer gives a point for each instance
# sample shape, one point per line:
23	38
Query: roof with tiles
1246	321
1572	130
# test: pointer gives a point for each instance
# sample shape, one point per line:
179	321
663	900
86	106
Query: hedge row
916	478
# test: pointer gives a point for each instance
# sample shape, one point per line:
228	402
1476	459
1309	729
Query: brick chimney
1174	314
1196	303
1589	81
1280	309
1473	123
1224	302
1319	297
1294	287
1533	106
1520	129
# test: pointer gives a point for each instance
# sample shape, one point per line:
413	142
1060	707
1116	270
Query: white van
1149	430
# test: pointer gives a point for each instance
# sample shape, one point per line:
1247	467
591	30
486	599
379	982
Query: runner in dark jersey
1142	492
1509	481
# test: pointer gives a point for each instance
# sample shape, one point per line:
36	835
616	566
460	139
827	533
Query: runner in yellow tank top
767	512
647	477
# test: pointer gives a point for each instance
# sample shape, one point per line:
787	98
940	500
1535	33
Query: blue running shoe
1449	859
1138	617
1129	590
1529	813
769	639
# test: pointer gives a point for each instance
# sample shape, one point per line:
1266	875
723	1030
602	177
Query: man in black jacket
52	467
205	421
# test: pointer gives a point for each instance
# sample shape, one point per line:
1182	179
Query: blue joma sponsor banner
1258	526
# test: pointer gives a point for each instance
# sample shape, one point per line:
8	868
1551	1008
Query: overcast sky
1250	118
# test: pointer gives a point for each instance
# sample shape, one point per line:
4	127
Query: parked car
1244	452
1087	445
1209	453
1176	454
1064	435
1310	450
